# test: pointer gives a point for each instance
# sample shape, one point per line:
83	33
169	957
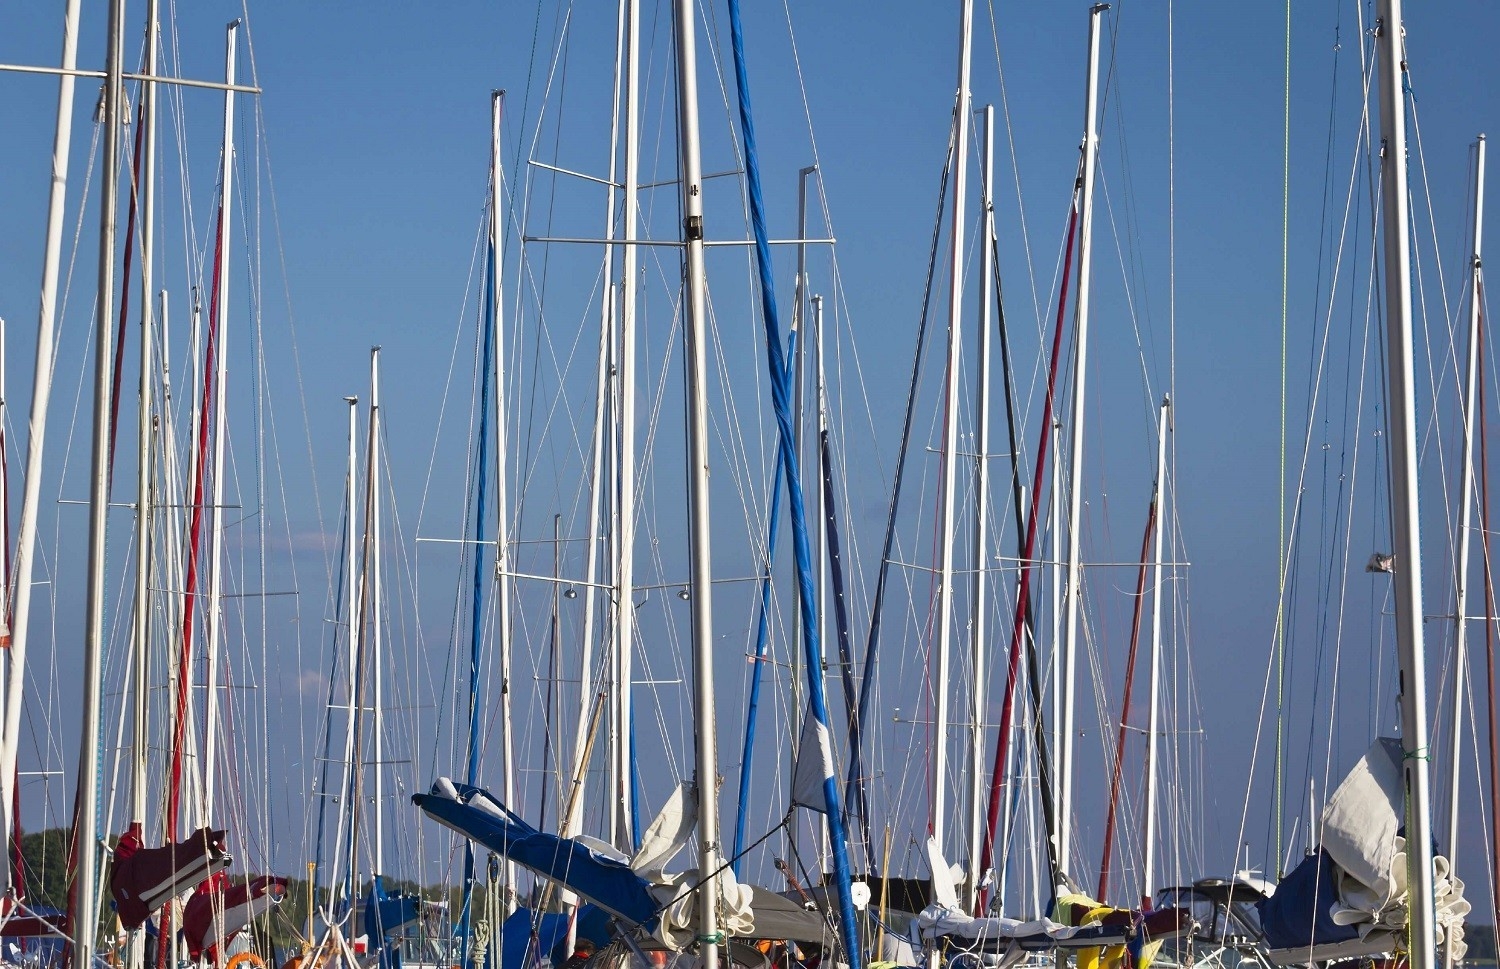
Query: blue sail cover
387	917
520	948
478	816
1299	914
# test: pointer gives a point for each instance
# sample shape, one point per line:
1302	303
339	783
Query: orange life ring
245	960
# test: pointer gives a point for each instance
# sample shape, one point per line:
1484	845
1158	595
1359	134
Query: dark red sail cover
238	904
143	879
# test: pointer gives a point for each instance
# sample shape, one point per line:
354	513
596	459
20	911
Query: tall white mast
979	644
85	898
819	532
1054	656
1465	517
573	793
502	502
341	866
811	462
181	690
1153	705
140	653
145	416
938	801
377	756
19	594
624	592
1401	406
695	342
1073	593
214	605
572	806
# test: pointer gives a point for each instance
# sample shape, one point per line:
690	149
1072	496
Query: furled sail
219	911
143	879
636	891
1348	898
1098	934
584	870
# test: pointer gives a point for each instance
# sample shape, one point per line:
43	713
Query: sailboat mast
572	807
502	504
979	634
145	418
1153	701
1073	593
18	596
695	340
624	627
342	866
1465	518
937	803
797	345
377	756
1054	658
86	814
1405	521
140	661
213	604
801	417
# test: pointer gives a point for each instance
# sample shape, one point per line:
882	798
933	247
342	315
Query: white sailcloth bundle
677	928
663	840
1359	834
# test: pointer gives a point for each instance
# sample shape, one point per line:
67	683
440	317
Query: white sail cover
677	928
814	765
945	878
1359	836
1361	819
669	833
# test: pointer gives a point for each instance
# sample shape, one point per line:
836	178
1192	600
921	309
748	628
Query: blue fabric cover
516	938
1297	915
385	915
607	883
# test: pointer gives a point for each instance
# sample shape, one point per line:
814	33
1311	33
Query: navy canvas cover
1298	914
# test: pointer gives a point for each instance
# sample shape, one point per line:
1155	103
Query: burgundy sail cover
143	879
239	904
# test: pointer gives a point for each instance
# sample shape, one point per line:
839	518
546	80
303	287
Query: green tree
45	867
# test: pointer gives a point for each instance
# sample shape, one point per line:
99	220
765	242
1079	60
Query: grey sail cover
1361	821
814	765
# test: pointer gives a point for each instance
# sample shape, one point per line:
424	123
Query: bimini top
1220	891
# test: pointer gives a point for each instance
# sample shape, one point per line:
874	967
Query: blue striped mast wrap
476	618
781	399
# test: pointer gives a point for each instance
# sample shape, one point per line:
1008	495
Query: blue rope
476	618
781	398
762	638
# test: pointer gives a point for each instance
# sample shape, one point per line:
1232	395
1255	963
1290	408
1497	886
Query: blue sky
375	129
